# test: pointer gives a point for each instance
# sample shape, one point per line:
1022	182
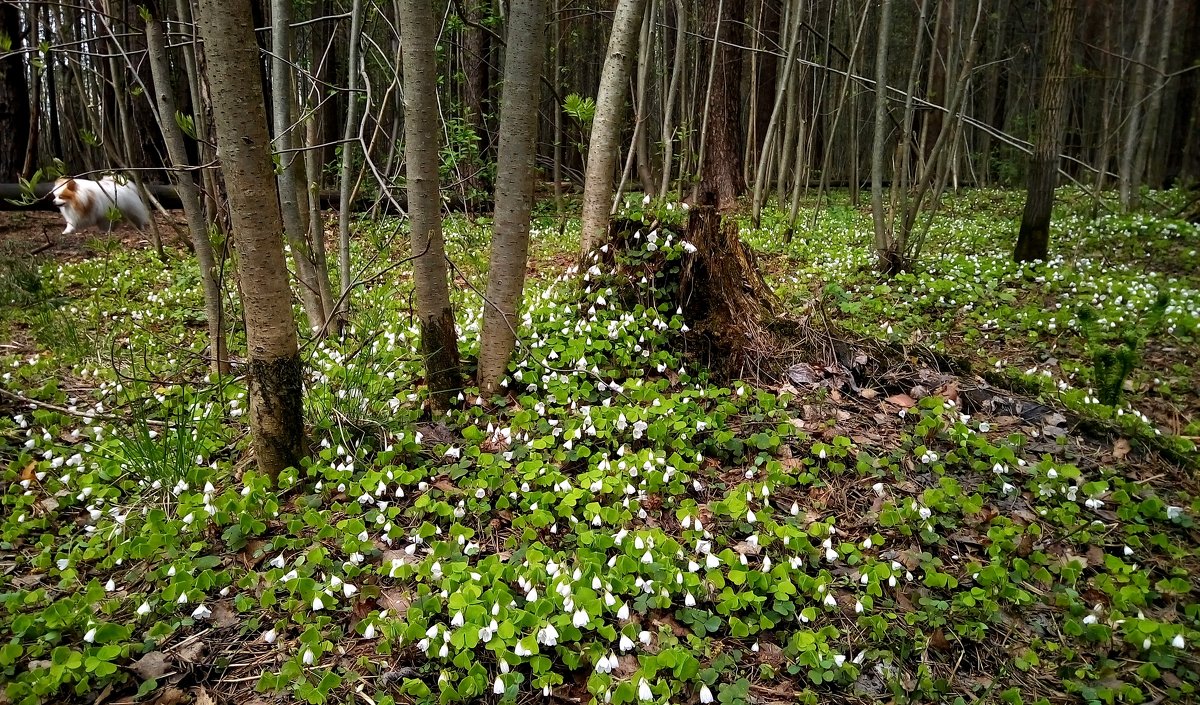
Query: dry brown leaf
627	665
658	619
203	698
1026	546
746	548
395	601
770	654
1120	448
223	616
867	393
252	553
938	640
192	652
446	485
902	400
171	696
152	666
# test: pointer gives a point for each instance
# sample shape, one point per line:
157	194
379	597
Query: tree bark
1033	242
607	123
160	68
883	238
642	140
514	190
722	169
762	173
348	135
1151	134
668	130
439	340
1130	180
289	182
15	104
243	147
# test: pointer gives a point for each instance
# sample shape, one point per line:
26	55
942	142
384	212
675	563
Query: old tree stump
737	327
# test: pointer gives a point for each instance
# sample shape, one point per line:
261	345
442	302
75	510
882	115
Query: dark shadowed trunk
14	98
722	169
1033	242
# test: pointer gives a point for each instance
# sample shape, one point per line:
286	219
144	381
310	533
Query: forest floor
944	512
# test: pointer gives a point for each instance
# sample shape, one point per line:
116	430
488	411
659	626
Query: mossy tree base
439	346
277	413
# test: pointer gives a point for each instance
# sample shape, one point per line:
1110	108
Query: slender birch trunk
606	126
514	190
160	69
645	172
883	238
1155	100
1131	181
439	340
289	204
351	129
243	146
668	129
762	173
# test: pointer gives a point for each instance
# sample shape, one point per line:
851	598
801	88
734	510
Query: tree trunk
316	223
645	54
1155	100
1033	242
348	142
15	104
883	238
762	172
770	14
439	340
606	125
722	169
708	94
668	130
514	190
843	95
160	68
901	173
556	25
128	140
1130	180
289	203
243	147
192	60
723	294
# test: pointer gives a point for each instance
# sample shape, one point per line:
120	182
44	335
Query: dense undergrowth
622	528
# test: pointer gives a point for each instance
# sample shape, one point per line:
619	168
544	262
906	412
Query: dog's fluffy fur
85	203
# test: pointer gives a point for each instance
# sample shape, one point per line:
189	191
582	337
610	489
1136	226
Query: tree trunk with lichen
243	147
608	123
514	191
439	340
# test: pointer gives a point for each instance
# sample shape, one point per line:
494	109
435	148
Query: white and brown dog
84	203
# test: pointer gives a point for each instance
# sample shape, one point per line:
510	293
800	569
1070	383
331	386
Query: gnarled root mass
737	326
